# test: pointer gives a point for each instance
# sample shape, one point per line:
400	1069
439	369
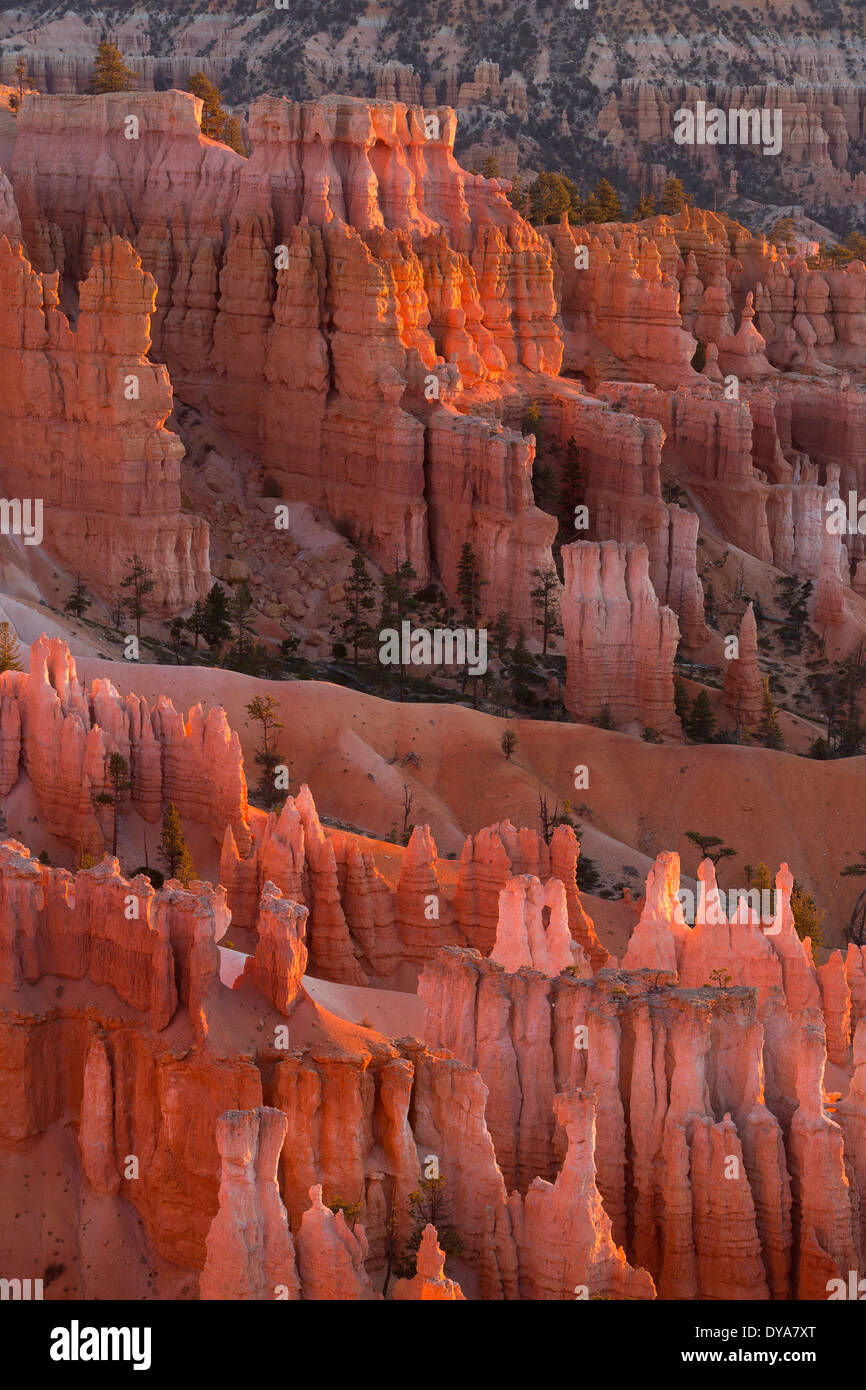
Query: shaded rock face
82	419
706	1055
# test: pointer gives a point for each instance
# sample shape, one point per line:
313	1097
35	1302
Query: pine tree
711	847
79	600
117	770
544	601
530	423
521	670
22	80
643	208
807	920
770	733
682	704
571	483
609	204
196	623
213	117
673	197
469	583
232	135
140	582
702	721
490	167
173	847
508	743
239	610
110	73
216	611
398	603
264	710
518	197
501	633
10	652
359	589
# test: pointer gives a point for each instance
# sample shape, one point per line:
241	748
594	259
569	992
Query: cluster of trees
699	721
370	608
837	690
221	624
553	196
832	255
110	74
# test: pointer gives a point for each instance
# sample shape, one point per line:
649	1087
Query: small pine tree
118	779
213	117
673	197
807	919
770	733
509	743
530	423
469	583
360	601
571	484
544	601
110	74
216	611
702	721
263	709
10	652
399	602
501	633
609	205
173	847
643	208
521	670
232	135
79	600
711	846
239	609
140	582
196	623
682	703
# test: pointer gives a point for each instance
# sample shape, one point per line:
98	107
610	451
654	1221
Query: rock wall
82	420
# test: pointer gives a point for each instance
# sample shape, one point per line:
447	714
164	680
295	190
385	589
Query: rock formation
430	1283
250	1254
744	687
82	415
619	640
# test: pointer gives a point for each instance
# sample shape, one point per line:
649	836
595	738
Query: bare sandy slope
641	798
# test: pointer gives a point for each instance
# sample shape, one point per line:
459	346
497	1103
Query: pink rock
430	1282
96	1126
250	1254
744	686
533	928
66	394
562	1230
331	1256
619	641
